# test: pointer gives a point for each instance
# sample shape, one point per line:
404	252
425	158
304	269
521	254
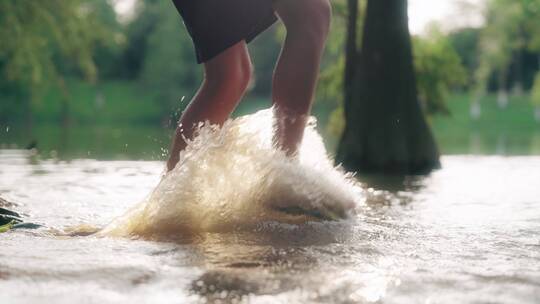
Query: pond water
468	233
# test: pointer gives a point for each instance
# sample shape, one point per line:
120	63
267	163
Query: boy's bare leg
226	78
295	77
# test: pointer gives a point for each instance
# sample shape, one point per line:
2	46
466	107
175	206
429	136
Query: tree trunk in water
386	131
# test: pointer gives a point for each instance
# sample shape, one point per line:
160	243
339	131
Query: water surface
466	234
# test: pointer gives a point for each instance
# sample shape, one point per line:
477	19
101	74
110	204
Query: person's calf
227	77
295	78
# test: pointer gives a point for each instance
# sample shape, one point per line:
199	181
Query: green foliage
6	227
332	72
34	32
535	92
331	81
531	24
43	41
438	69
465	43
169	66
11	94
107	53
112	102
60	42
146	16
331	78
511	26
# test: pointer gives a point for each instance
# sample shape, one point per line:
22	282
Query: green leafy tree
147	14
512	26
42	38
438	69
535	96
465	43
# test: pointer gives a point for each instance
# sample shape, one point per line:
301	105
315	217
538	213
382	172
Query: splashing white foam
231	178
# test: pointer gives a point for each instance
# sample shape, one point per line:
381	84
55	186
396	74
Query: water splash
231	178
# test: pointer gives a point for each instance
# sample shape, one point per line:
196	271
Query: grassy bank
508	131
119	120
112	102
126	102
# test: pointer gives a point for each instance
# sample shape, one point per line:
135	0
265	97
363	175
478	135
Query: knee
321	15
233	75
242	74
309	19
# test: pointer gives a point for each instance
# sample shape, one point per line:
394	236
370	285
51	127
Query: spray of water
231	178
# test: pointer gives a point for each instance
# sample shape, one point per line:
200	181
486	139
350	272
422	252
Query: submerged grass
6	227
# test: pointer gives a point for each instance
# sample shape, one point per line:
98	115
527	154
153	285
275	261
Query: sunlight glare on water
465	234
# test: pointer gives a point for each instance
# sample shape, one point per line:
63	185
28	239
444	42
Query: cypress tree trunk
386	131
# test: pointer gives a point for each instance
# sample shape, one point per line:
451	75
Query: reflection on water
96	142
466	234
488	142
143	142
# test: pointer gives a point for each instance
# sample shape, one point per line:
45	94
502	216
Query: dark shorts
216	25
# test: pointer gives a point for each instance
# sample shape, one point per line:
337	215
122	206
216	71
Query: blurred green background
107	79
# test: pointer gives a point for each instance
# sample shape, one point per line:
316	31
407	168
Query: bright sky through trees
449	13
